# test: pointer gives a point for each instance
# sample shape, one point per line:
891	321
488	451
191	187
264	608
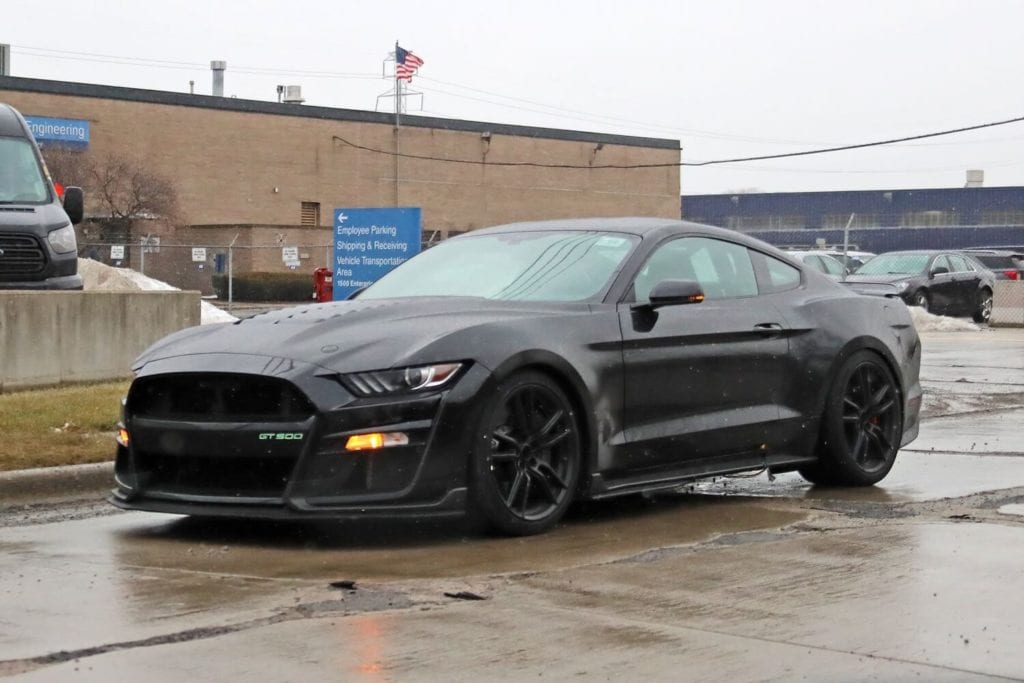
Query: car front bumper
63	282
221	468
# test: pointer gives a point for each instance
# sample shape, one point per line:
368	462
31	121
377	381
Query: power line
590	117
72	55
843	148
694	132
825	150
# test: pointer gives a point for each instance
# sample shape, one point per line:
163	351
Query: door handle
769	329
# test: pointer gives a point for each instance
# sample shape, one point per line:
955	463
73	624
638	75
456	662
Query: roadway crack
354	603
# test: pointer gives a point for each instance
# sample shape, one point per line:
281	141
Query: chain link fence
194	266
1008	304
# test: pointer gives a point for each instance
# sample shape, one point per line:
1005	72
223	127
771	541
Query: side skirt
604	487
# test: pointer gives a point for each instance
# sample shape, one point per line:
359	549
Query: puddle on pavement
133	575
994	432
915	477
595	532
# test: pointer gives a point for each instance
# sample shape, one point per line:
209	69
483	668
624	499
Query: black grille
22	256
260	477
212	397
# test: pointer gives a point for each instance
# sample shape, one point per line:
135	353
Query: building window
766	222
929	219
310	213
1005	217
837	221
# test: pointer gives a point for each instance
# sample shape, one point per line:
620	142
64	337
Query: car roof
929	252
994	252
10	122
631	225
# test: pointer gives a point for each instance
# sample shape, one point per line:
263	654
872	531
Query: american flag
406	64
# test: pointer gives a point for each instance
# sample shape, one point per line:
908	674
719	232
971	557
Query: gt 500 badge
281	436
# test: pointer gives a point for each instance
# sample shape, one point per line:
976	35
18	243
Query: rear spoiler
873	289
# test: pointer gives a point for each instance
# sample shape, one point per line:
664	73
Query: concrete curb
53	484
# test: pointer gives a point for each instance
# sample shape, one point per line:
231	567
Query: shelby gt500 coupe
510	371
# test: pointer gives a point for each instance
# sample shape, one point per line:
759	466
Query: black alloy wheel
862	424
921	299
984	310
528	456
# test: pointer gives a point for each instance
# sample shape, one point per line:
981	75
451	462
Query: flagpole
398	120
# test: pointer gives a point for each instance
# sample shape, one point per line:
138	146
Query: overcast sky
726	78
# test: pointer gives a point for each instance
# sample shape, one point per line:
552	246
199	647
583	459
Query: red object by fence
323	285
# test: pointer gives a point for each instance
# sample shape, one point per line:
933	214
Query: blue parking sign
370	242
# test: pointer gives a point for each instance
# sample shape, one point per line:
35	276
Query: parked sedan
821	262
1006	265
853	259
942	282
510	371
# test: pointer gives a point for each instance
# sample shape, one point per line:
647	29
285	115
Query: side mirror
938	271
675	293
74	204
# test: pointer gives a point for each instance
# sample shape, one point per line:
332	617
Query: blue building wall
886	219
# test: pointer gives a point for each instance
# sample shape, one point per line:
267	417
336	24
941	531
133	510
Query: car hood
352	336
881	278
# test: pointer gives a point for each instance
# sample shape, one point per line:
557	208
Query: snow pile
929	322
101	277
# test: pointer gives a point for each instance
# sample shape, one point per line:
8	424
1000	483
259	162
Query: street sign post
370	242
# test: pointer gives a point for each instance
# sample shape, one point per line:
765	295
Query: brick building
270	174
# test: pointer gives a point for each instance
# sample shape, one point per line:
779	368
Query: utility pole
846	246
398	123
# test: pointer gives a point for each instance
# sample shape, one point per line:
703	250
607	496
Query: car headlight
63	240
401	380
901	285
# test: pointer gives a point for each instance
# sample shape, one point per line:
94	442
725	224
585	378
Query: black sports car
512	370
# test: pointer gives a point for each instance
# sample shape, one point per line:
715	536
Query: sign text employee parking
370	242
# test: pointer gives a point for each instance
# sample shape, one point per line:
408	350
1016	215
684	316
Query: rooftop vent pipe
218	68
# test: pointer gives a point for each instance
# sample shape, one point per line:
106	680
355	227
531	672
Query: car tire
861	426
984	309
527	456
921	300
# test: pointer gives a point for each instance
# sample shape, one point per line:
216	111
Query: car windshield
518	266
21	179
895	263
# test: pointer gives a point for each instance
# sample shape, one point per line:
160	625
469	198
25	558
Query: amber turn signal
375	440
122	436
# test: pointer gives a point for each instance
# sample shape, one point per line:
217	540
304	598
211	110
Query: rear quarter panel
829	326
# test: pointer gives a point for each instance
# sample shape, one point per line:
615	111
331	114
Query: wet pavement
735	579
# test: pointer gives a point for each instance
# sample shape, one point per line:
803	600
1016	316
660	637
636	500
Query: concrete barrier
52	338
1008	304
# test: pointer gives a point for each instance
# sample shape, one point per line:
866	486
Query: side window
942	262
723	269
781	275
832	266
814	262
960	264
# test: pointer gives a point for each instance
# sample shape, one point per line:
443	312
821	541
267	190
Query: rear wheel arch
862	344
841	461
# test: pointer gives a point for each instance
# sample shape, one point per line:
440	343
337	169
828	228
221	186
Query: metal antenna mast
398	122
400	92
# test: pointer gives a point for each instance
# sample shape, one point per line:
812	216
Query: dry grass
63	426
